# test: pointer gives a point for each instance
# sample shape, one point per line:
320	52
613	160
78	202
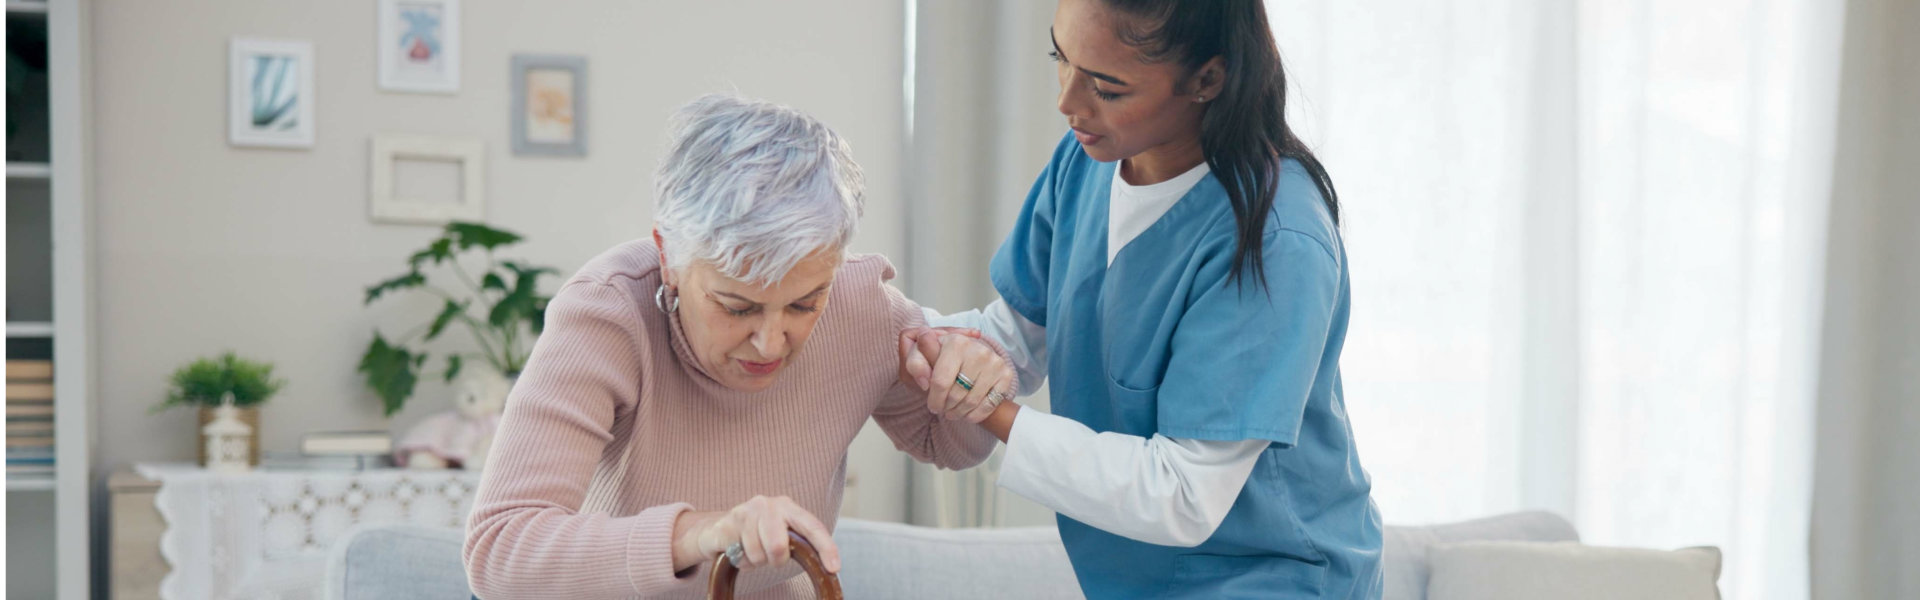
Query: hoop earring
660	300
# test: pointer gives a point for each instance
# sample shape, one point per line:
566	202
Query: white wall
205	247
1866	532
985	124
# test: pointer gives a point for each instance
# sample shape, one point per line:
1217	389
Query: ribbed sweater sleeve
903	411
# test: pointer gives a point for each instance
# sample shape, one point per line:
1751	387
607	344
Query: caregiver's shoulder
1299	207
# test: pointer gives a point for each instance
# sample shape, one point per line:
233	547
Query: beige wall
205	247
1866	532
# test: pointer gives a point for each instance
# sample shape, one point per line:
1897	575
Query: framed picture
549	105
426	180
270	93
420	46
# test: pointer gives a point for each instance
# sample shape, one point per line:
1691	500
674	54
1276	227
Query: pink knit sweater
614	429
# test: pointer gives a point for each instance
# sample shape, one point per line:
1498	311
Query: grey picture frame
521	140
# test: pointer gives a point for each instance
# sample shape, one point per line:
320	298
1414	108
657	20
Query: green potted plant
206	382
503	309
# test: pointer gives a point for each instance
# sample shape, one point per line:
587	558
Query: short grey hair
752	188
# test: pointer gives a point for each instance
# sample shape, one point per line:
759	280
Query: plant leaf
453	366
540	314
508	309
440	250
493	282
412	279
250	382
391	372
200	382
527	271
447	313
524	302
468	235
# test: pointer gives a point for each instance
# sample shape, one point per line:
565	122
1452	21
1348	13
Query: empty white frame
467	204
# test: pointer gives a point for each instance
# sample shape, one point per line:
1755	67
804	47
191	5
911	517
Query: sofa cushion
1570	571
397	561
1405	556
891	560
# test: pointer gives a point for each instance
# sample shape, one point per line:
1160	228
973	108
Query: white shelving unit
69	330
30	329
16	170
30	485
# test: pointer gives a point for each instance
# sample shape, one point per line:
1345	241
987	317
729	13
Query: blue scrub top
1161	342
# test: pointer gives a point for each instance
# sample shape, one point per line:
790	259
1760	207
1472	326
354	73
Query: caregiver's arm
526	537
1159	490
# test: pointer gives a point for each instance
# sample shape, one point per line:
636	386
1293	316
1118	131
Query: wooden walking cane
825	585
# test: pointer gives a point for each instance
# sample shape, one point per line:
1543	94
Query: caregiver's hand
760	526
935	360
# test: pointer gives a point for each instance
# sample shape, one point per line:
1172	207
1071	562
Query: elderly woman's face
742	333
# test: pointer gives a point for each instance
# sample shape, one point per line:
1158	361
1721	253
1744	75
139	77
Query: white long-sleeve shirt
1159	490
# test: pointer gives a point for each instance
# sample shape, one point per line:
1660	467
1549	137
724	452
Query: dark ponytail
1244	133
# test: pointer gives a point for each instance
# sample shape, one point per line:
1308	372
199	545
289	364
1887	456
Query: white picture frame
388	149
419	46
270	93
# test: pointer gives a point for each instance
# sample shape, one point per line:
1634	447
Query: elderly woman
699	390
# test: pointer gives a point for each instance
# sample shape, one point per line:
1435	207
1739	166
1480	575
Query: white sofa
889	560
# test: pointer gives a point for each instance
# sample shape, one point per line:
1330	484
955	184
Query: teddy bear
458	438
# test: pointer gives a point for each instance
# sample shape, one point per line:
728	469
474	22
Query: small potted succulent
207	382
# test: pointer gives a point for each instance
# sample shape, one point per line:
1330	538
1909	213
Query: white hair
752	188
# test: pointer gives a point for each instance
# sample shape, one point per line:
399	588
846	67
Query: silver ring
964	381
736	554
994	398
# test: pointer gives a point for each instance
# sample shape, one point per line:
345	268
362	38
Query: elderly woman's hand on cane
754	531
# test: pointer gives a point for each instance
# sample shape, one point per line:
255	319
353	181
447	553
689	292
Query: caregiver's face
744	334
1117	105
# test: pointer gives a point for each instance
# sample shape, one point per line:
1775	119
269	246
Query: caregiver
1179	273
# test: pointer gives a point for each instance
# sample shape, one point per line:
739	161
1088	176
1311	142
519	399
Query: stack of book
350	450
29	419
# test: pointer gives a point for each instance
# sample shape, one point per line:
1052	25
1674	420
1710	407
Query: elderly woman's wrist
687	530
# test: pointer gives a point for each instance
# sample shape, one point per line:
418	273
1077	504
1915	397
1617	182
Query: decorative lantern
227	440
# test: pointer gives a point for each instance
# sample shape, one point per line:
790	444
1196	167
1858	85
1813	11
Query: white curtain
1587	241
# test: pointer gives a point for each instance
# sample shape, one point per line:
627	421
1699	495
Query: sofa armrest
397	561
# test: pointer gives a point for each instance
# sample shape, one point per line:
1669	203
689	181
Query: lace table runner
267	534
